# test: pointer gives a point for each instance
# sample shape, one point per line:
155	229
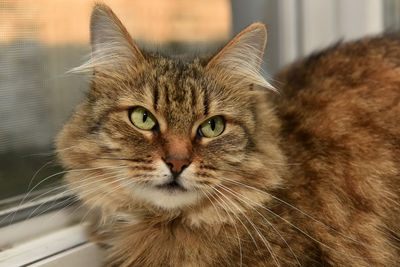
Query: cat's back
344	90
340	112
349	63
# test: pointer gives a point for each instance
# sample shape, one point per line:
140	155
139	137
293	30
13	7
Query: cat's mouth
172	186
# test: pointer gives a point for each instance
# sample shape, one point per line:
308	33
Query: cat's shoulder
343	88
345	62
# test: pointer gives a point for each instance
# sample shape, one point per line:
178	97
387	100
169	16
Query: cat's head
166	132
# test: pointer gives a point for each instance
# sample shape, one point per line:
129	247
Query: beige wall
159	21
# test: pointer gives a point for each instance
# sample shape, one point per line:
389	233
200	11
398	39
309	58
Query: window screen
40	40
36	95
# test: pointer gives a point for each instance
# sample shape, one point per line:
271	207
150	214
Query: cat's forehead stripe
206	101
155	95
176	83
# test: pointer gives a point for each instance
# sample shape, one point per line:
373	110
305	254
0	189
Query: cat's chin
172	187
167	197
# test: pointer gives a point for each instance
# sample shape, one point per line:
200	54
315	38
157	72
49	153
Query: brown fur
309	176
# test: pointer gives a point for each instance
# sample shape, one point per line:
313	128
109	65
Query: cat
202	162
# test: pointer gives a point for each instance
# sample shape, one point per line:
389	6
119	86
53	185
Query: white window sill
87	255
53	239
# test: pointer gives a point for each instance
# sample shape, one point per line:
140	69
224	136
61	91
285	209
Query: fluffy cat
202	163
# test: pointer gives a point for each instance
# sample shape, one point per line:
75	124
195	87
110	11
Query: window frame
45	231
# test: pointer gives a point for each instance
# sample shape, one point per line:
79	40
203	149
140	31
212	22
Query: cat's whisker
37	172
90	191
67	200
225	207
94	180
13	214
31	190
117	187
104	185
207	195
68	171
266	243
50	191
232	192
297	209
51	153
116	179
229	210
65	192
64	149
300	230
88	177
136	160
55	175
48	208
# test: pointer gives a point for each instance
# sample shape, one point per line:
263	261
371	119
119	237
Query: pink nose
177	165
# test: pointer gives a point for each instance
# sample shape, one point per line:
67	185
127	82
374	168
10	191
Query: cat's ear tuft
247	47
241	58
112	46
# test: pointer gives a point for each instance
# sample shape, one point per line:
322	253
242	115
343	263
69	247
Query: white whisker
299	229
297	209
273	227
266	243
74	190
233	223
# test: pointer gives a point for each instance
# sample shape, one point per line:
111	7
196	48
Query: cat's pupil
145	116
212	124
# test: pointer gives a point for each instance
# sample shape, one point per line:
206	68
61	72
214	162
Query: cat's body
340	111
308	176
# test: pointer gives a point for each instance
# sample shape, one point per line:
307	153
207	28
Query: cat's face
168	132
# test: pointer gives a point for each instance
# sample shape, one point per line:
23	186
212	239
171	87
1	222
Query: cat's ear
112	46
241	58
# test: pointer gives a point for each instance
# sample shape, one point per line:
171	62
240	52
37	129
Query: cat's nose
176	165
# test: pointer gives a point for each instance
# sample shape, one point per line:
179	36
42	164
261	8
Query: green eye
142	118
212	127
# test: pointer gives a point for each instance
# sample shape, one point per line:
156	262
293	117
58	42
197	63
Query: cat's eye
142	118
212	127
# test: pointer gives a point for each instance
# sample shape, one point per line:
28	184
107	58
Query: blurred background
42	39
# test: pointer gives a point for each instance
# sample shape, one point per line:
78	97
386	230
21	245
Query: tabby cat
201	162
